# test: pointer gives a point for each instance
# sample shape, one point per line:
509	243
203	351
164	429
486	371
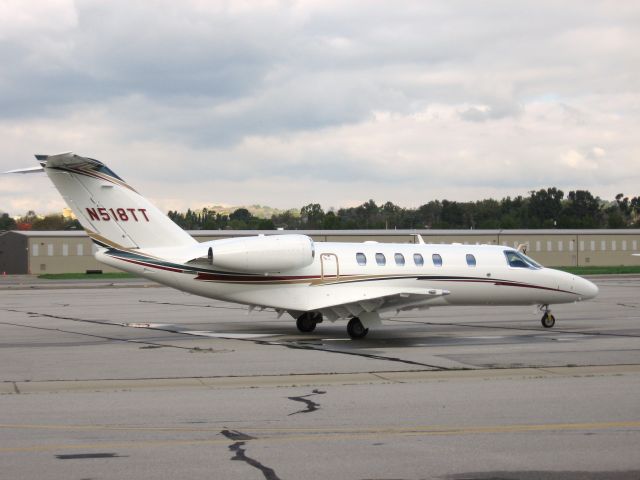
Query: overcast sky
285	103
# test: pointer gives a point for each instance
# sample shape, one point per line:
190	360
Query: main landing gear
307	322
356	329
547	320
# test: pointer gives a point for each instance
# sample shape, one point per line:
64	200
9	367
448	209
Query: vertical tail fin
110	210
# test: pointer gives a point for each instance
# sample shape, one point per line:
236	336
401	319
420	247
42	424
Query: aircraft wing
387	299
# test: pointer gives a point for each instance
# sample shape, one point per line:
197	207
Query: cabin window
380	259
361	258
437	260
520	260
471	260
418	260
399	259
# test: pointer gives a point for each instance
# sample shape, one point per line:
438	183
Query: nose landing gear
547	320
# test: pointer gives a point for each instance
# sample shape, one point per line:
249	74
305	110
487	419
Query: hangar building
31	252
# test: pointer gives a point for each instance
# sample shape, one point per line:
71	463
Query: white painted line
487	337
202	333
199	333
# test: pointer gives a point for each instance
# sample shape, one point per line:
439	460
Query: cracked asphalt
135	381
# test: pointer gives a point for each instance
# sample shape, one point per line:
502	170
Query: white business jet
311	281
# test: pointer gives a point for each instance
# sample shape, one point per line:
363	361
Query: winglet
419	238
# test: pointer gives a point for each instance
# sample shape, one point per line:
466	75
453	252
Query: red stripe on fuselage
150	265
210	277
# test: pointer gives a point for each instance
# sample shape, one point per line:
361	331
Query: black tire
306	322
548	320
355	329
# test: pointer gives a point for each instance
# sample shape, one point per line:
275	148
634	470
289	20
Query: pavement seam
381	377
502	327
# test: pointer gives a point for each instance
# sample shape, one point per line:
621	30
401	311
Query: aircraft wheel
548	320
306	322
355	329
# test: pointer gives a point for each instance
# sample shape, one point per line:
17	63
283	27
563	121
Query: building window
549	247
624	245
380	259
471	260
538	245
35	249
437	260
399	258
361	258
603	245
613	245
80	250
582	245
560	245
50	249
65	250
571	245
634	244
592	245
418	260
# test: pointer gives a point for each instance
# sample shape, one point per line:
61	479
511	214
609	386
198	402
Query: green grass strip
85	276
616	270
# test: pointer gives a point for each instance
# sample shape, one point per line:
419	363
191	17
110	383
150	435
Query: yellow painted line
308	434
267	381
390	429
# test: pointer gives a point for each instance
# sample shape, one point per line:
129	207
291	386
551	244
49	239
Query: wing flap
390	299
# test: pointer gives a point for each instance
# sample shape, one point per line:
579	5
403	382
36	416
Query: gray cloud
479	95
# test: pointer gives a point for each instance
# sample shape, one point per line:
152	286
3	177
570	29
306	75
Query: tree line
32	221
545	208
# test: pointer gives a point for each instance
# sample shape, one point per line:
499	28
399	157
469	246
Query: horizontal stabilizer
26	170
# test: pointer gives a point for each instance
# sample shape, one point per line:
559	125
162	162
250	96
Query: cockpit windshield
520	260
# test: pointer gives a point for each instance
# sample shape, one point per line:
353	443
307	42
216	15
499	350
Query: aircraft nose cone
586	289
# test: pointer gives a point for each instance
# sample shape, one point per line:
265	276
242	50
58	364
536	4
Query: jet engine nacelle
262	254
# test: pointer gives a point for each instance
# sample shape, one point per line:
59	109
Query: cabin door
329	267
